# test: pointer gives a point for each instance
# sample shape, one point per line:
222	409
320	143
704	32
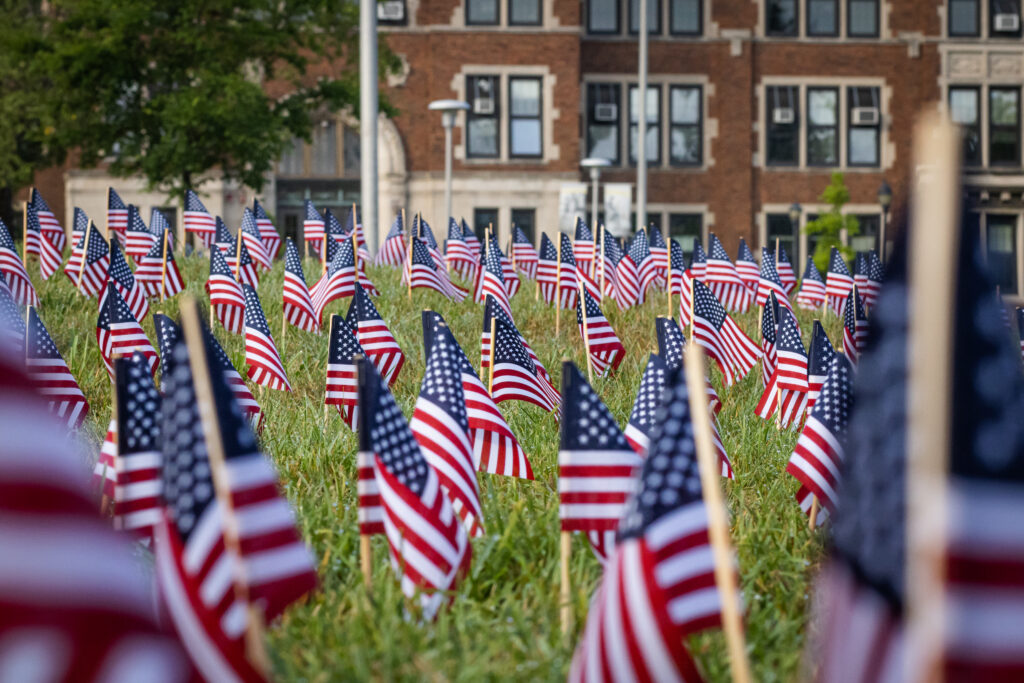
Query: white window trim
984	213
817	209
709	27
663	82
884	8
548	19
886	148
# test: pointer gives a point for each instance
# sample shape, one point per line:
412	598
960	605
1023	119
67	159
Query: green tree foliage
829	226
172	90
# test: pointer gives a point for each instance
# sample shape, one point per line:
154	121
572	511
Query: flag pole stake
490	370
604	266
85	251
814	513
565	548
24	234
558	285
718	523
238	256
586	340
163	270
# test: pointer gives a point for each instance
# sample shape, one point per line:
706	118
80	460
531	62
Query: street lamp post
594	165
885	200
794	220
449	109
368	108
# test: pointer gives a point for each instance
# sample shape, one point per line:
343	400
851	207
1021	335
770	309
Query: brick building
752	104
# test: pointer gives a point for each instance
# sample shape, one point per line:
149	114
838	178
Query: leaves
829	226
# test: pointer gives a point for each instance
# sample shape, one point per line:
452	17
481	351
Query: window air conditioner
783	116
483	105
1007	23
864	116
606	112
391	10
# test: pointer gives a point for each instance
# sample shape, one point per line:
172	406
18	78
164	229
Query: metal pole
641	128
595	173
881	239
448	121
368	120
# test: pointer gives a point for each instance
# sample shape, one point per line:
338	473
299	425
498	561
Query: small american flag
253	241
79	228
812	288
524	253
14	271
267	231
602	344
820	353
641	418
723	339
341	388
607	266
138	240
428	544
226	295
681	284
298	305
698	262
785	268
393	251
860	270
241	264
49	226
659	250
118	333
457	253
12	325
769	324
422	231
855	326
422	271
158	223
596	464
786	393
583	245
817	460
313	227
119	273
636	271
516	377
491	308
198	220
490	279
495	448
374	336
51	376
150	273
568	277
508	269
222	237
746	267
547	268
265	366
50	256
875	278
724	280
338	281
471	239
838	282
117	215
769	282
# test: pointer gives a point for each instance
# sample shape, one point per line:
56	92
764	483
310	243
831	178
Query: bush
830	225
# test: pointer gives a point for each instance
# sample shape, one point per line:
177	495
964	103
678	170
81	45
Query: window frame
657	88
849	20
850	128
1016	127
836	13
540	14
978	125
796	20
837	127
539	117
977	20
700	20
497	14
471	116
1003	35
618	20
1015	251
631	30
699	125
616	88
769	125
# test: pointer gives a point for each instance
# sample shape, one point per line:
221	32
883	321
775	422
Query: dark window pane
653	104
869	228
687	229
781	228
524	12
780	18
352	146
527	220
1001	247
653	220
865	118
964	109
963	17
685	17
685	117
481	11
822	17
782	126
603	114
1005	21
482	117
822	126
653	16
863	18
1004	126
483	218
603	16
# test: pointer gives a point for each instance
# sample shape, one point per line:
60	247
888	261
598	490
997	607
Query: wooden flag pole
586	339
323	252
108	207
718	524
355	255
408	263
604	266
813	522
192	329
693	305
163	269
934	244
565	594
777	254
24	234
669	288
85	252
593	258
558	285
238	257
490	369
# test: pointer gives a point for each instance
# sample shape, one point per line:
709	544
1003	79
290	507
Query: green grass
504	620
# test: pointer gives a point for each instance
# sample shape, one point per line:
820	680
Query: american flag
265	366
12	325
104	472
606	273
547	267
636	272
226	296
393	251
769	282
786	393
600	341
79	228
118	333
117	215
785	270
860	270
596	464
471	239
241	264
490	279
491	308
253	241
680	284
820	353
769	324
51	376
457	253
158	224
723	339
49	226
516	377
14	271
428	544
150	273
812	288
338	281
119	273
583	245
523	252
817	460
421	229
313	227
138	240
723	279
298	305
698	262
267	231
855	326
341	389
78	603
508	269
746	267
422	271
568	275
658	584
641	418
197	219
50	256
199	571
333	227
873	284
441	426
495	448
222	237
374	336
659	250
838	282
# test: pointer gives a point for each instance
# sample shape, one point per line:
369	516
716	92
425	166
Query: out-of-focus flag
374	336
568	276
393	251
226	295
490	278
523	253
298	305
49	226
241	264
876	276
659	250
422	271
50	256
855	326
820	353
313	227
602	344
812	288
253	241
472	240
637	271
222	237
786	393
723	279
138	240
583	245
698	262
198	220
838	282
51	375
12	325
267	231
14	271
158	271
547	269
769	328
785	269
117	215
769	282
746	267
671	347
457	253
118	333
119	273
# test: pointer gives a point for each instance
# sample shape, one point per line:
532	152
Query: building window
780	227
823	17
783	126
484	218
351	152
325	149
868	231
524	12
686	134
864	127
781	17
862	18
653	221
482	117
1001	250
653	135
526	220
482	12
965	109
293	161
603	121
686	17
822	126
653	16
603	16
1004	126
524	117
1004	18
391	12
963	18
687	229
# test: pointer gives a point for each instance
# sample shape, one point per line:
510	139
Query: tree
173	90
830	225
